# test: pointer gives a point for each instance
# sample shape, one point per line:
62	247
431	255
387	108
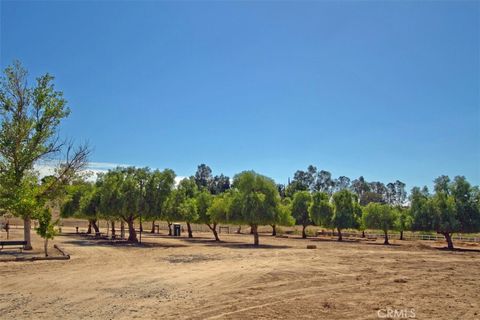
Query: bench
13	243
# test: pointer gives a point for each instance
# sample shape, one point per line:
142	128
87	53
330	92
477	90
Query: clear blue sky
388	90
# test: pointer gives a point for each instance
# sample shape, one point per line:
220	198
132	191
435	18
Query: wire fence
406	236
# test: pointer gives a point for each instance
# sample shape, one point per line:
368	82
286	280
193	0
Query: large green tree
171	212
131	199
111	198
159	186
300	210
379	216
344	211
82	201
181	205
123	196
217	211
284	215
188	191
30	117
205	215
321	210
404	220
255	201
90	207
453	208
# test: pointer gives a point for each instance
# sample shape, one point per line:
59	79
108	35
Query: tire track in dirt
301	293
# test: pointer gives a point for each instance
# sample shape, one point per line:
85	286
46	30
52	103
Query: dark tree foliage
219	184
281	190
360	186
203	176
342	183
369	197
324	182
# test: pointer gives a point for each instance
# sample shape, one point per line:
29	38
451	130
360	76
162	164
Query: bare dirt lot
178	278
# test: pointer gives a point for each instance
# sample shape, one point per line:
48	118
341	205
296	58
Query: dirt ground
178	278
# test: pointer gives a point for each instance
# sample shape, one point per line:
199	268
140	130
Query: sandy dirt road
178	278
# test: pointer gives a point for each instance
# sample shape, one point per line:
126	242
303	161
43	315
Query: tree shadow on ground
119	244
8	253
457	249
345	240
233	245
210	241
382	244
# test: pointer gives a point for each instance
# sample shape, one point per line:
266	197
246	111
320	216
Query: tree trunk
386	238
239	230
251	230
448	237
89	230
169	228
304	234
7	229
153	227
122	229
214	230
132	234
274	230
255	234
339	234
363	233
141	225
401	235
95	227
215	234
189	227
46	247
113	228
27	224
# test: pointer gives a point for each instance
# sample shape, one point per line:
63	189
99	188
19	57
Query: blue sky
388	90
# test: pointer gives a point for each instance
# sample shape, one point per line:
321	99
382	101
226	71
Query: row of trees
454	207
128	194
343	211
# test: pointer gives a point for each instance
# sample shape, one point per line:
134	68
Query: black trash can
177	229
